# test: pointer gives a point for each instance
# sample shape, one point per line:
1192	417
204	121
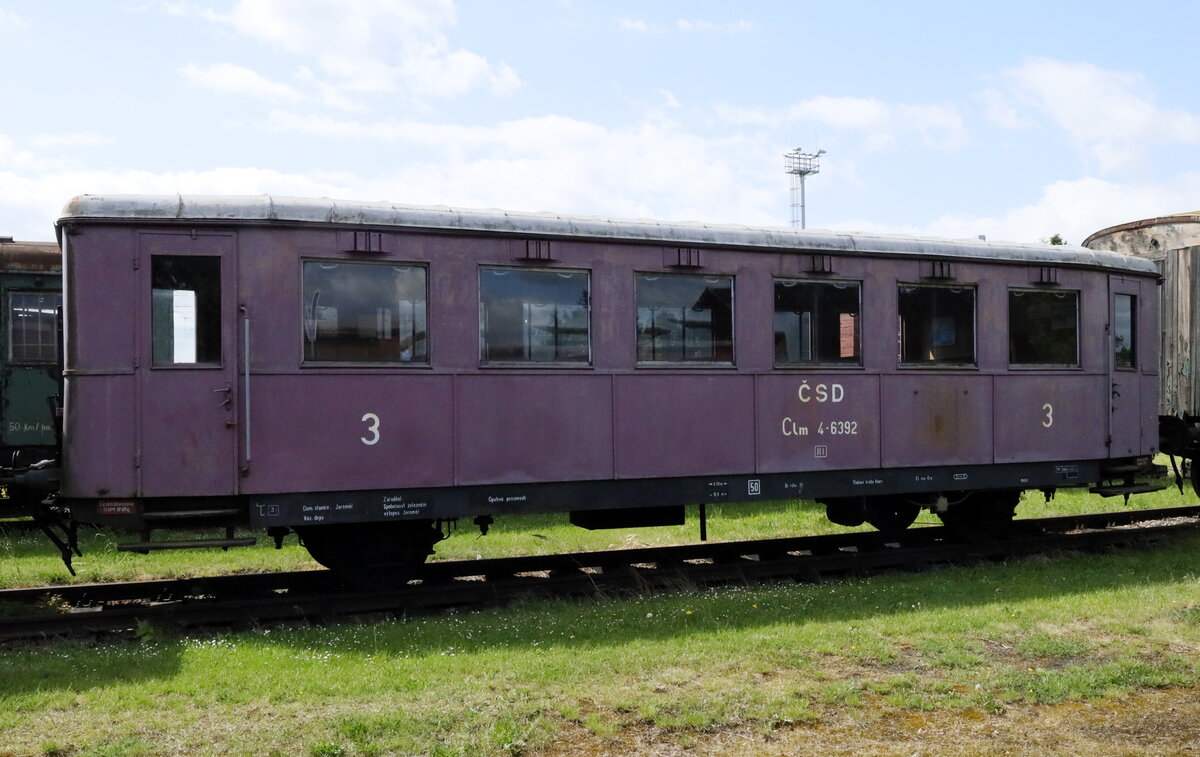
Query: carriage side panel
934	419
100	452
519	428
683	425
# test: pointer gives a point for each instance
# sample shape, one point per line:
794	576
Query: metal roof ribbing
273	209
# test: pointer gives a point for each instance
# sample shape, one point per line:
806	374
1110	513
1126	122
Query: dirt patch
1148	723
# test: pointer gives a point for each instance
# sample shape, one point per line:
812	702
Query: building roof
1178	218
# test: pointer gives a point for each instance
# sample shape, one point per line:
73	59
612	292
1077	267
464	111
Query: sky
1015	120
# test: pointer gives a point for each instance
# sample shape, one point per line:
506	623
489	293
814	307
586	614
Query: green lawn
504	681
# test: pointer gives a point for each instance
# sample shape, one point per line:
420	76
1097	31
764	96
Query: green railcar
30	298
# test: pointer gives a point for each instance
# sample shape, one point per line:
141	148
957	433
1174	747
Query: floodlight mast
800	165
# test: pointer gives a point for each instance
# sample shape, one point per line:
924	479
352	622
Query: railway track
317	596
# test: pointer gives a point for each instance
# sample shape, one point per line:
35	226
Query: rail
318	596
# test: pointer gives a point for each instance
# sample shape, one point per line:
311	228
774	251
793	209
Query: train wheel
372	555
891	515
984	515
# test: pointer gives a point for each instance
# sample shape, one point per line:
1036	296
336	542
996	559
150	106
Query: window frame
1078	364
316	364
585	364
12	360
943	365
858	361
731	363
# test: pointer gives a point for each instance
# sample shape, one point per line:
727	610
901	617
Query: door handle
228	390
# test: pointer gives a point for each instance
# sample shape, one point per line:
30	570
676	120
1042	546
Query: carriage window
534	316
364	313
186	310
1043	327
1125	331
816	323
684	318
32	327
937	325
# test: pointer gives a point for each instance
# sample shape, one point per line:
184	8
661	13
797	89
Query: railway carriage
30	296
362	372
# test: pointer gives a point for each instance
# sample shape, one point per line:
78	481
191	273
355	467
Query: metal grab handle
228	390
246	385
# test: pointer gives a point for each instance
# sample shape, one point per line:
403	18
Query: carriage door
1124	420
187	424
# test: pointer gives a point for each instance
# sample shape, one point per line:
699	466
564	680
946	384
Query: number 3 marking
1049	415
372	429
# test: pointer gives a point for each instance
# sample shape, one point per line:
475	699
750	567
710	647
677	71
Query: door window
1125	331
186	309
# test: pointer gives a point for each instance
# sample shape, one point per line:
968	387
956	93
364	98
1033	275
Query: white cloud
435	72
229	78
76	139
1001	111
347	26
13	157
1075	209
882	124
685	25
8	18
649	168
31	202
372	46
1106	114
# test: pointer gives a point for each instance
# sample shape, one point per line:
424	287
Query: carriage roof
270	209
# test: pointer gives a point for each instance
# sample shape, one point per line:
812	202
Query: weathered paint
139	431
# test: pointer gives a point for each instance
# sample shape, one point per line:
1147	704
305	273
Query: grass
511	680
27	559
684	666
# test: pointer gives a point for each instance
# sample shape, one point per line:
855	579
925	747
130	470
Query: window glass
364	313
1125	331
32	327
534	316
186	309
937	325
684	318
816	322
1043	327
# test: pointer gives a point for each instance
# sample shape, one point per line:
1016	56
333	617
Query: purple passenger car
359	372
